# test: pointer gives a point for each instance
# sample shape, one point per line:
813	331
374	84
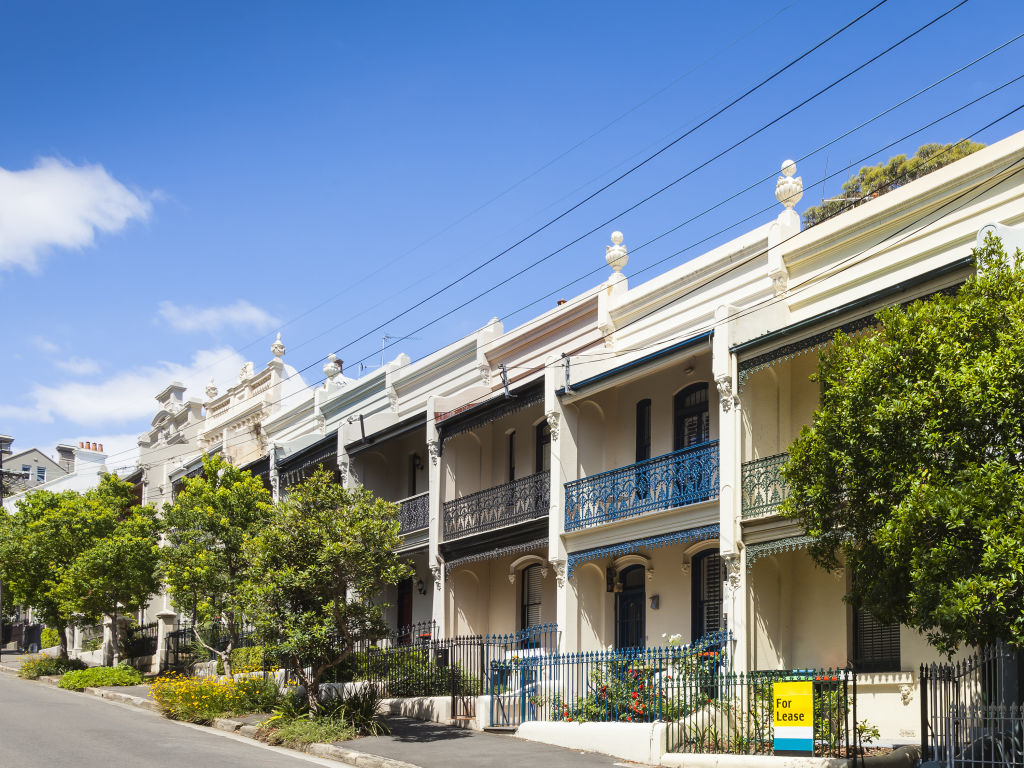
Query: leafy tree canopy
47	533
911	470
117	574
875	180
204	566
324	552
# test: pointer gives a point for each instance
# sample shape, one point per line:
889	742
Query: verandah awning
768	548
650	542
822	338
492	554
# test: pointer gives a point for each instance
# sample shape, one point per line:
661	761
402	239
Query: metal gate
513	663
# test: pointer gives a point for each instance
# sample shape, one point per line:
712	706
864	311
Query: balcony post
434	474
725	371
562	420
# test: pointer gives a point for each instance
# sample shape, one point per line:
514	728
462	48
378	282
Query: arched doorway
631	608
707	593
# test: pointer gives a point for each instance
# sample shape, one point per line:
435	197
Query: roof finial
277	348
616	255
789	189
211	390
332	367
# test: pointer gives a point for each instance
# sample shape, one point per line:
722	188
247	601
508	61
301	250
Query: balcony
686	476
413	513
763	485
517	502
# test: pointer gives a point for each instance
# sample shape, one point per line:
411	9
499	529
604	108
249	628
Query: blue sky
179	181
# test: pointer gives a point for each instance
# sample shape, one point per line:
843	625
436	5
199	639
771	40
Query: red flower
635	694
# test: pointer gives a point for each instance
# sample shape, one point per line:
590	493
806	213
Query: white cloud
60	205
127	395
45	344
240	315
80	366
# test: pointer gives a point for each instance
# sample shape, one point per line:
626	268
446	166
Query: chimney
5	445
561	302
66	457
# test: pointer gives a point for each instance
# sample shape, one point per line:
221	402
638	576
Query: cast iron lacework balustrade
413	513
686	476
763	485
508	504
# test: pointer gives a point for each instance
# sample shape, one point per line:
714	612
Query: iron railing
91	637
686	476
140	641
413	513
971	713
625	685
729	713
763	485
182	649
517	502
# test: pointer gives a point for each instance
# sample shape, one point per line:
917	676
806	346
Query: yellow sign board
793	715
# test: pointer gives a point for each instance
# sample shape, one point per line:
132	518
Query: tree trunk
62	632
226	656
115	641
313	695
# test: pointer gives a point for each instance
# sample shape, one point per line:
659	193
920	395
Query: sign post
793	715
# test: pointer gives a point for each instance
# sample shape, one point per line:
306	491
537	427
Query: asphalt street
42	727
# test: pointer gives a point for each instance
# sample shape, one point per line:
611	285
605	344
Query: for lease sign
793	713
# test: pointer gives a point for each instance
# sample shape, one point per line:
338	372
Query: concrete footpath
411	744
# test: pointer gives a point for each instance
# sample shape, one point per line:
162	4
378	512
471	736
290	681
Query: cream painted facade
619	453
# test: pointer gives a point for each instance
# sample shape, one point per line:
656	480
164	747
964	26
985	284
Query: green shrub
248	659
359	710
37	666
95	677
296	732
92	644
200	700
409	672
50	638
340	719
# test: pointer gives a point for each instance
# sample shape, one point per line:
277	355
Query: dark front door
707	593
405	610
631	609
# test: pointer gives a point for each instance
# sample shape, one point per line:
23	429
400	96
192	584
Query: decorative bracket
725	394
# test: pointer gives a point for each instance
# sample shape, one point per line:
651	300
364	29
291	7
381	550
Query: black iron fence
140	640
91	637
183	650
971	713
733	713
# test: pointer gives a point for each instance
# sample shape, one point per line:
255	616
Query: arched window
631	608
530	600
690	421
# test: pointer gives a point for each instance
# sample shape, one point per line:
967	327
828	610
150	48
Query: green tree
116	575
911	470
874	180
46	534
204	566
315	566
